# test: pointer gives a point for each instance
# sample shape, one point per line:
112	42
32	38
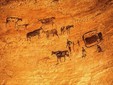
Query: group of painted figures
53	32
70	45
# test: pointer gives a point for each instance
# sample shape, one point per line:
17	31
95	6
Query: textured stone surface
25	62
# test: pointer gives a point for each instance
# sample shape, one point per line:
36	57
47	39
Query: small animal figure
47	20
34	33
13	19
23	25
68	27
62	29
47	32
52	32
60	54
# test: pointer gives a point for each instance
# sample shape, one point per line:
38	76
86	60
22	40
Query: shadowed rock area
31	29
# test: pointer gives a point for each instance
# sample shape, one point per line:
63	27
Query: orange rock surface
30	62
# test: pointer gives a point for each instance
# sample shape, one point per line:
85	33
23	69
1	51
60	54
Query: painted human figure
83	52
99	49
69	44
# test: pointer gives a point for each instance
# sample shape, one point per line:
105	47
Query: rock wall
29	62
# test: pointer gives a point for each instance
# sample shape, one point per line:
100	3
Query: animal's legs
57	60
53	34
69	57
6	24
38	36
69	31
63	32
47	35
28	38
16	26
69	49
57	35
64	58
83	55
60	60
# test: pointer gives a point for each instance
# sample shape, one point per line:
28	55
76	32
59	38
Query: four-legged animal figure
60	54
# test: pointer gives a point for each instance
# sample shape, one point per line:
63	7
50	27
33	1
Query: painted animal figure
60	54
62	29
47	20
23	25
68	27
13	19
34	33
47	32
52	32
